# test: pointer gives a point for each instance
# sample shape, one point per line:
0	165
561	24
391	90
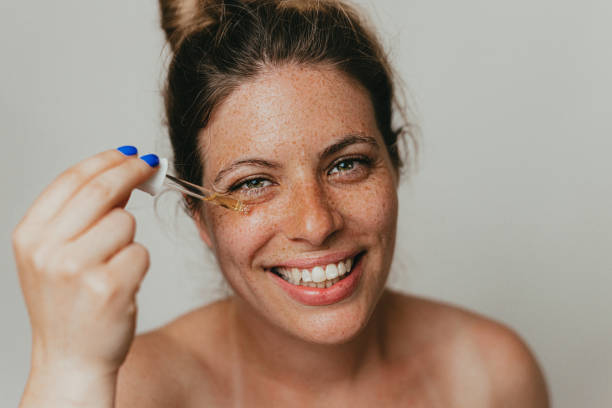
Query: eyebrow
330	150
346	142
249	162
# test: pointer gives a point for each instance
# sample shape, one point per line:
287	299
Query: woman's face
302	142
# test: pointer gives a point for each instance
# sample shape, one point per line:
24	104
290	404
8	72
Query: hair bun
180	18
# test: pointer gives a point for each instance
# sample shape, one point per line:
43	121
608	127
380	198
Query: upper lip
311	262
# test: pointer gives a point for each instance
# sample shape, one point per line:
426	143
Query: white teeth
318	274
331	271
296	275
341	268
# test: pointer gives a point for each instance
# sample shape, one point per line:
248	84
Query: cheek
373	208
237	237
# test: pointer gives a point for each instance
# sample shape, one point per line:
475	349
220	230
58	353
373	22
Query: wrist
52	386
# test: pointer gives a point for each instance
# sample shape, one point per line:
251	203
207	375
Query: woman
286	105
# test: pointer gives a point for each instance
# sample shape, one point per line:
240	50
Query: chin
334	324
334	327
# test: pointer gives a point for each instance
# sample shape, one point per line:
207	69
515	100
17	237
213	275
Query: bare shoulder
471	352
173	366
516	378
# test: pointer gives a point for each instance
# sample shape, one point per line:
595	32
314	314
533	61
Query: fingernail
151	159
128	150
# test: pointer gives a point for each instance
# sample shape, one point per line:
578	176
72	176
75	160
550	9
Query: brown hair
218	45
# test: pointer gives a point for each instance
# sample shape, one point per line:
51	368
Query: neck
272	354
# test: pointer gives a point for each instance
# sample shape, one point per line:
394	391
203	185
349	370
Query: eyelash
363	160
242	183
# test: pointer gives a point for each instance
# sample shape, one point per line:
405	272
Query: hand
79	267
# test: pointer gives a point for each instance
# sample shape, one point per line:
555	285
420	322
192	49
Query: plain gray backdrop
509	213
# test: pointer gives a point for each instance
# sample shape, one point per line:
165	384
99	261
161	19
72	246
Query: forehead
290	107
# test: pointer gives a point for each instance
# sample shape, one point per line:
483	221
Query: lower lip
322	296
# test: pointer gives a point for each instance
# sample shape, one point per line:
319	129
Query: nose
312	217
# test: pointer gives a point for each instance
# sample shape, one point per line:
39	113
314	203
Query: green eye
344	165
252	184
349	169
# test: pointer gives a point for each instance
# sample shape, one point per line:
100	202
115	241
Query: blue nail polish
128	150
151	159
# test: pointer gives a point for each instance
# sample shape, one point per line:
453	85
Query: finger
105	238
68	183
123	203
129	266
99	196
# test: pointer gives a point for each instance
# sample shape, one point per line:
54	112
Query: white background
509	213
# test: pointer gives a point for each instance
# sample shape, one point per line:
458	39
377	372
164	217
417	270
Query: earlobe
204	235
202	228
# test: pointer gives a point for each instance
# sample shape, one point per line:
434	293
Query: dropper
161	178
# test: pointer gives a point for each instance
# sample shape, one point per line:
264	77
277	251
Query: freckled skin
290	115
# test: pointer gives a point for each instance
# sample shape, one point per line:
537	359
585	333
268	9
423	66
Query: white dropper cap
154	185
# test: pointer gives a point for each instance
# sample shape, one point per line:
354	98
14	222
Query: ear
202	227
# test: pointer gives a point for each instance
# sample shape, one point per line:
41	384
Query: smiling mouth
321	276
